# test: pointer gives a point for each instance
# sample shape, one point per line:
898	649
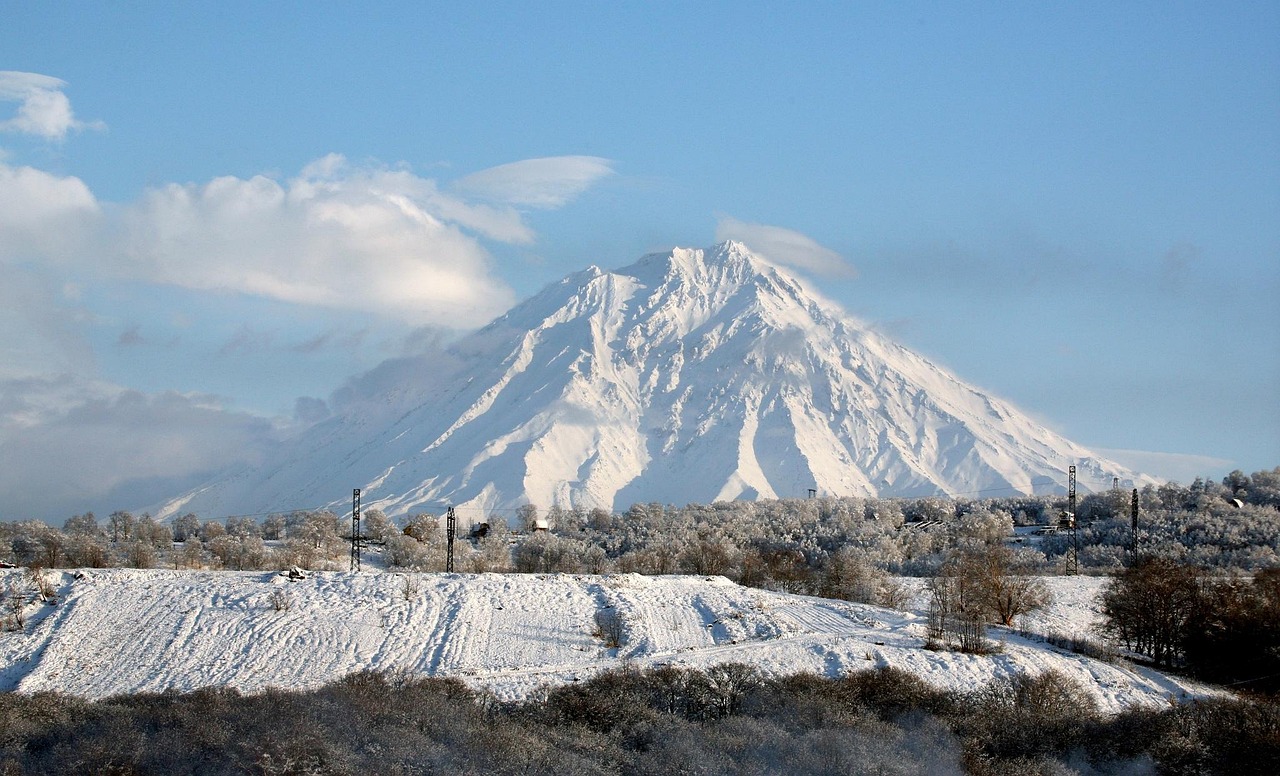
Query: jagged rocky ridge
690	376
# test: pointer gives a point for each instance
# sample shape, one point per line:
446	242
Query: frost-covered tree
405	552
423	527
492	552
240	527
851	575
526	516
147	530
120	524
185	527
313	540
273	527
1006	590
376	526
544	553
211	529
82	525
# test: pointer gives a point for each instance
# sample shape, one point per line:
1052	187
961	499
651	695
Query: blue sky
210	211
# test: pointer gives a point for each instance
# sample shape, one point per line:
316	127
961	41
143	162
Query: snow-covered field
118	630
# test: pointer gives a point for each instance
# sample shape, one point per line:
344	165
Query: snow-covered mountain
690	376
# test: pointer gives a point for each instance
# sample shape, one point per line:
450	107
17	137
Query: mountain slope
688	376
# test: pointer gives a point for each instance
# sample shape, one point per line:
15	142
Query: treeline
827	546
728	719
1222	629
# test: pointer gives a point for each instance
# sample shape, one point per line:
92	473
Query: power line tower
1073	557
356	539
450	530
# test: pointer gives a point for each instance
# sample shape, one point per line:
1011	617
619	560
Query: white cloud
44	216
548	182
336	236
787	247
41	327
43	110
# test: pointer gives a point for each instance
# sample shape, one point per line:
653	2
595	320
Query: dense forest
728	719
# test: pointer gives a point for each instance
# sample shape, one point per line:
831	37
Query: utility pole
355	529
450	530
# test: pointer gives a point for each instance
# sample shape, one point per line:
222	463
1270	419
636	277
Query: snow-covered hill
118	631
691	376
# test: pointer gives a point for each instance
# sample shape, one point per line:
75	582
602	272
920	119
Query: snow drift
121	630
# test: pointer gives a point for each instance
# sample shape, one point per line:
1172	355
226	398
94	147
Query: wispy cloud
787	247
247	340
43	109
548	182
1181	467
70	445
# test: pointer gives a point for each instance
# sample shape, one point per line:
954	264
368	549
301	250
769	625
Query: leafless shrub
15	604
1081	645
44	585
410	587
893	593
609	627
280	600
956	611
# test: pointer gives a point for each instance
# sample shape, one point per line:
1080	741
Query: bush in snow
609	627
280	600
658	721
15	604
44	585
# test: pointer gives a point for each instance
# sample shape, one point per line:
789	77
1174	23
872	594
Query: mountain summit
689	376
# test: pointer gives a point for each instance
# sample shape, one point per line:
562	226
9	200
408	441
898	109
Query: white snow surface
687	377
119	631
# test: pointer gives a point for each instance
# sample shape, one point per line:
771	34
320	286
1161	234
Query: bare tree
1147	607
1006	590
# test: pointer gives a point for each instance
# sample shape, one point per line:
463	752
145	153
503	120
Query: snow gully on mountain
689	376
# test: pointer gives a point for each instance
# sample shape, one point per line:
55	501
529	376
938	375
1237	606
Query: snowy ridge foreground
119	631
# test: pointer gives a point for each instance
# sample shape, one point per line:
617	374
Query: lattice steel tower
355	530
